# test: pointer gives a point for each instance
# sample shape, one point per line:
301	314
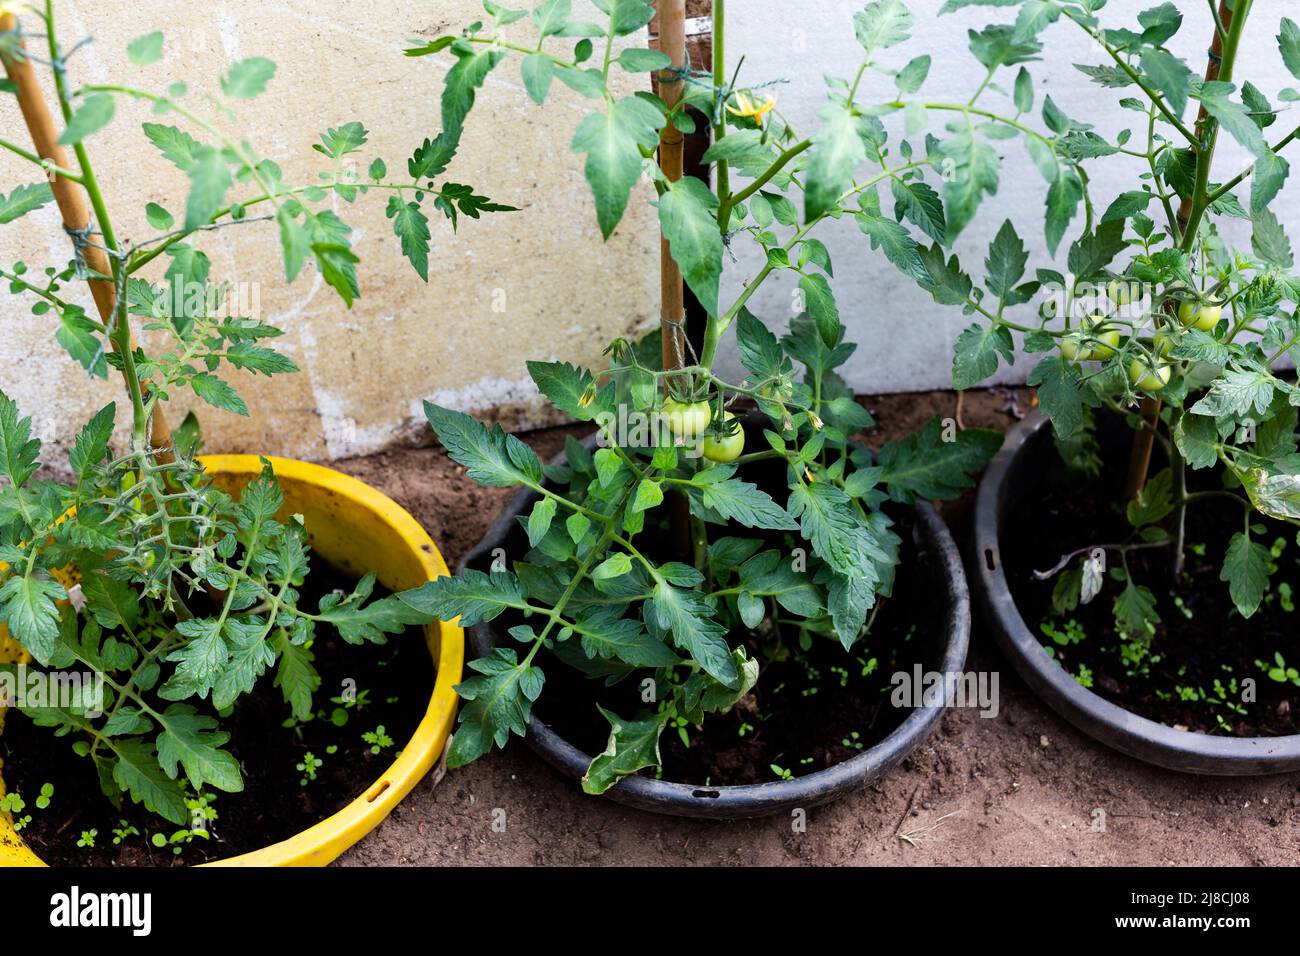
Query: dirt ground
1019	788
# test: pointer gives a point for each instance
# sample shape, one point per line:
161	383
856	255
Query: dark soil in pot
393	682
815	709
1190	677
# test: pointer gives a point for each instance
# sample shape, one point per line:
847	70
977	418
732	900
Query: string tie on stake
80	242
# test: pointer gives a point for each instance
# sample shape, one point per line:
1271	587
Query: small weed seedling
378	739
14	804
308	766
1279	671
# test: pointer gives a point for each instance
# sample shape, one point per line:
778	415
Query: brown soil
1190	674
1018	788
392	684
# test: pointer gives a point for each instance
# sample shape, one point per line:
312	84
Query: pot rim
743	801
325	840
1121	729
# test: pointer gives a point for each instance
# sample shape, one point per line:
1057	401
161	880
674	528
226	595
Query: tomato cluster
691	419
1097	340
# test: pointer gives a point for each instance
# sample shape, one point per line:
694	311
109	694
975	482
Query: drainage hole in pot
707	794
989	560
379	791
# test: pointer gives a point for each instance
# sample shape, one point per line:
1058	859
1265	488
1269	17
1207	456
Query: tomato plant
1203	324
140	569
595	587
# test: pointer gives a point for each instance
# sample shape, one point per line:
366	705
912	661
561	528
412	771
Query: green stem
1205	152
235	147
49	297
121	328
1155	176
597	550
1179	465
718	326
1218	24
1133	75
857	80
1236	180
517	48
988	78
43	163
141	259
968	111
724	211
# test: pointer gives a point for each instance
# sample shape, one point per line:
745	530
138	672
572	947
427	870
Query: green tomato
726	448
1200	315
1164	343
687	420
1146	377
1123	291
1102	342
1107	343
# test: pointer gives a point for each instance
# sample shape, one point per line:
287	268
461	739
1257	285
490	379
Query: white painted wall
905	338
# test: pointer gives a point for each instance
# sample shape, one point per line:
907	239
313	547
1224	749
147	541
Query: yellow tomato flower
752	108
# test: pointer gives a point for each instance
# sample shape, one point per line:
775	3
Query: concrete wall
905	339
534	284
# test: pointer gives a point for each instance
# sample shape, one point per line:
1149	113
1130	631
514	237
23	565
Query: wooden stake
672	308
671	15
72	204
1211	74
1144	438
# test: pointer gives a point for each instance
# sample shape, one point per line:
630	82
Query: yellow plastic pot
356	529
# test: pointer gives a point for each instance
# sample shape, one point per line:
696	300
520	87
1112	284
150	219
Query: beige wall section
538	283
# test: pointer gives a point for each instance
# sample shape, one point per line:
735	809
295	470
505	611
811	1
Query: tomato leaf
633	745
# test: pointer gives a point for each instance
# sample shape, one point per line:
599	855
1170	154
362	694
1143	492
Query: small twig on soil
875	713
907	809
961	401
68	822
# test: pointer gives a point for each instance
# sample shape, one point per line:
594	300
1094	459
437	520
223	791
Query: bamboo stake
672	302
672	308
1211	74
1144	438
72	205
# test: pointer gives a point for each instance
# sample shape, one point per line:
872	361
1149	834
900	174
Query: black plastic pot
938	559
1012	478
